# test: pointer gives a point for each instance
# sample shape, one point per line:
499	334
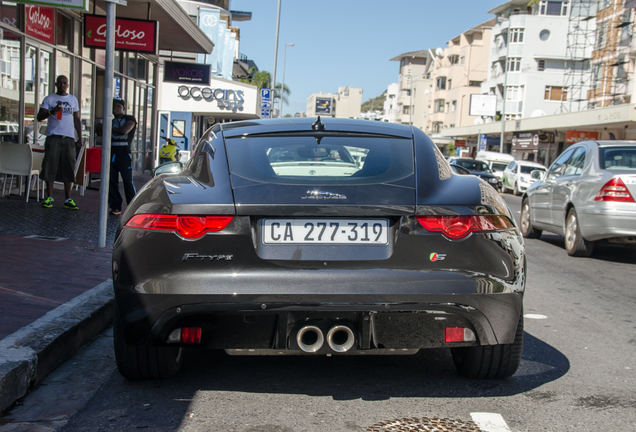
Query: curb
32	352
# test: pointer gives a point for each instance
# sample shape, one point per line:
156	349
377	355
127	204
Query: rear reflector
457	227
458	334
188	335
189	227
614	190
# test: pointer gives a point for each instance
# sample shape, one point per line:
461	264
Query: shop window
64	32
86	102
141	68
63	66
9	90
132	57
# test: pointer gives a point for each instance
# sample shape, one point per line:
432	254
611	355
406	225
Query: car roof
299	124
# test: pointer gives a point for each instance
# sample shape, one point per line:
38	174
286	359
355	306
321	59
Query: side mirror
168	168
537	174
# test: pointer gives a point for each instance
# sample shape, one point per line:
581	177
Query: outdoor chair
17	160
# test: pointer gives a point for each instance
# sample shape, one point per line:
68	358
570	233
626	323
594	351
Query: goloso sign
130	35
191	73
39	22
226	99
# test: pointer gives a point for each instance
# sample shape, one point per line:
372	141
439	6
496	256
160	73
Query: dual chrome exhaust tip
340	338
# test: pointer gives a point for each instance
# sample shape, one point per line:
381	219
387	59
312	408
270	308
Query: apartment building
344	104
414	88
531	53
612	64
459	70
390	104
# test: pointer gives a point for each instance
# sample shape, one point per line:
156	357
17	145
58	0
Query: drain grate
424	424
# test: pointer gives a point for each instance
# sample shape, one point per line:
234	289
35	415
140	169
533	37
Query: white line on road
535	316
490	422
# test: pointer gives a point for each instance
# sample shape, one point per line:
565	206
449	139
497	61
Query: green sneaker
70	204
48	203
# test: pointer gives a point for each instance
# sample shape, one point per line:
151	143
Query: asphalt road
577	374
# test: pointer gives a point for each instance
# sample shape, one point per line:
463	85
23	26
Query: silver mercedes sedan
587	195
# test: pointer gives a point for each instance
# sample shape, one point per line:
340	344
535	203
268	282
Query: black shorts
59	152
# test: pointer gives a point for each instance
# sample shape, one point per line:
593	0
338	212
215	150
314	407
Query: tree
263	79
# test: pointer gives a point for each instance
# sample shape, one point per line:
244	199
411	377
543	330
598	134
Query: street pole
503	106
109	77
411	101
282	86
275	58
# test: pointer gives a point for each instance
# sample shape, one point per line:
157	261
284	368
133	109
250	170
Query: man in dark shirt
121	161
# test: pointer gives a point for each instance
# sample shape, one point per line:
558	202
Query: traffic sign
265	95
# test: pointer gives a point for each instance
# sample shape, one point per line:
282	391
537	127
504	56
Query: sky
339	43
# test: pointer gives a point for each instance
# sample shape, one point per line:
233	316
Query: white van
496	161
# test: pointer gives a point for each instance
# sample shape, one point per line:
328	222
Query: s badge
437	257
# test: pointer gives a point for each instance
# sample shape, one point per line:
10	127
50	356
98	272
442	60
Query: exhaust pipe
310	339
340	338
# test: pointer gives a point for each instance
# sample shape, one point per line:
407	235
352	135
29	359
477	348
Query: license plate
326	231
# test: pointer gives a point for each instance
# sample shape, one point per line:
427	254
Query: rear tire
515	191
527	229
140	362
575	244
490	361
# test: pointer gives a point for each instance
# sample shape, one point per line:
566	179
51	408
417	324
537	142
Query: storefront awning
177	32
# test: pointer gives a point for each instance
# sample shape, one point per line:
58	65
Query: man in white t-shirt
64	125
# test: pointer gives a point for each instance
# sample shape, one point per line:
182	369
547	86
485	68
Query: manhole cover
424	424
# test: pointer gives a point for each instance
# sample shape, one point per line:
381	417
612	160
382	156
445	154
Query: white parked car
28	133
516	176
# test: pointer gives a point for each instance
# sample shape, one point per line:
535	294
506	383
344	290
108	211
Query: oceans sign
39	22
226	99
190	73
130	34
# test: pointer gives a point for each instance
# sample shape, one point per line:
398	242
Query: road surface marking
535	316
490	422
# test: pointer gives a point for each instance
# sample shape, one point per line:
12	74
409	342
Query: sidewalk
49	258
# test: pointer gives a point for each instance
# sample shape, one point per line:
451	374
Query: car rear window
618	158
497	166
525	169
337	159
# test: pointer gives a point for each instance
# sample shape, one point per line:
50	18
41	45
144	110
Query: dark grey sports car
302	236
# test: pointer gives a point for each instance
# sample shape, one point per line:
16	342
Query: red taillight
190	227
614	190
191	335
458	334
457	227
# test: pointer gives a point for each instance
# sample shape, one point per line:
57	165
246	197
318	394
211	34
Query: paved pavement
55	287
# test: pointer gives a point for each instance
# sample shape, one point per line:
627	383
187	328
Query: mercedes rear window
335	159
618	158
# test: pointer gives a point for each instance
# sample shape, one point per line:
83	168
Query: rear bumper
601	224
269	321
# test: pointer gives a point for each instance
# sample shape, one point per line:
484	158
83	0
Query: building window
514	93
462	59
437	127
406	109
620	69
540	65
453	59
601	35
439	105
604	4
441	83
544	35
597	75
516	35
514	64
454	105
555	93
450	81
474	83
554	8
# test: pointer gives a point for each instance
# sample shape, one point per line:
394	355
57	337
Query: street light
282	86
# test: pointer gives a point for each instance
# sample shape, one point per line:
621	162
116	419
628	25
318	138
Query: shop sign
525	141
225	98
573	137
39	22
130	34
71	4
191	73
460	143
9	15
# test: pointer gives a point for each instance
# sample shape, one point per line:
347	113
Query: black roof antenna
318	125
